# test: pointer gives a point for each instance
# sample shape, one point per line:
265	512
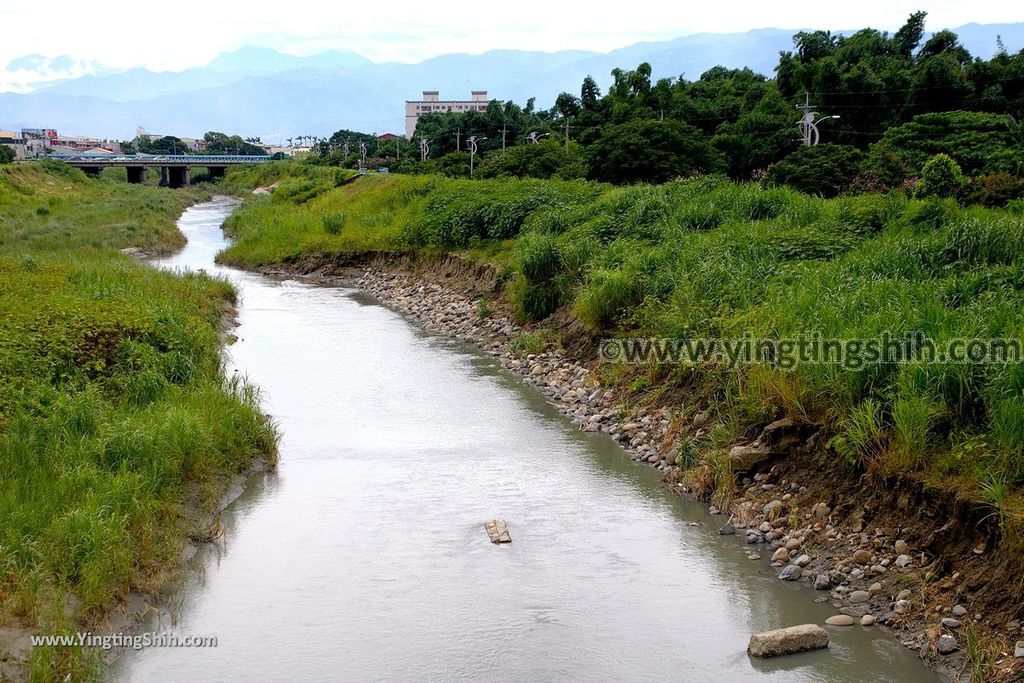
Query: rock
857	597
727	530
822	582
786	641
780	555
701	419
904	560
802	561
946	645
764	528
950	622
959	611
901	606
773	509
1018	650
793	544
867	620
904	594
714	510
840	620
875	588
753	556
791	572
821	510
901	547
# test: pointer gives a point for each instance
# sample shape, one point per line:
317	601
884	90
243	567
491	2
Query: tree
941	177
978	142
909	36
650	151
6	154
548	159
590	93
168	144
825	170
219	143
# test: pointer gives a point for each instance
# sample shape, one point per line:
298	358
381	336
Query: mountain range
263	92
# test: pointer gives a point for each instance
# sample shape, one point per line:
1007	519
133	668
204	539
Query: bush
825	170
334	222
650	151
6	154
995	189
941	177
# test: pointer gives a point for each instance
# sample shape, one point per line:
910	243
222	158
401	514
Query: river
364	557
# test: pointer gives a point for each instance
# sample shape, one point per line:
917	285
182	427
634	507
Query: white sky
178	34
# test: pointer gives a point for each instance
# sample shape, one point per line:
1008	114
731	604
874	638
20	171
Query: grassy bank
710	258
115	418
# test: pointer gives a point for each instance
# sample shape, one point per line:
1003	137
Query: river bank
119	431
893	553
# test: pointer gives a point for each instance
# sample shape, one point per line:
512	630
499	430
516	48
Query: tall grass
114	409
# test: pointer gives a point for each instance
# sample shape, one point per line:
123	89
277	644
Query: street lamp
535	137
472	151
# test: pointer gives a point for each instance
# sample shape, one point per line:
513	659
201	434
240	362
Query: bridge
175	169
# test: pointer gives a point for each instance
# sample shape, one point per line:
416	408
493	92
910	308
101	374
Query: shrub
6	154
941	177
650	151
334	222
995	189
825	170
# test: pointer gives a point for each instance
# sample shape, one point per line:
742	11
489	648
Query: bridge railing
161	159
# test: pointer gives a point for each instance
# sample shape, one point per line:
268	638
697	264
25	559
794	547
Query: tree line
901	100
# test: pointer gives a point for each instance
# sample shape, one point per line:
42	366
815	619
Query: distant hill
260	91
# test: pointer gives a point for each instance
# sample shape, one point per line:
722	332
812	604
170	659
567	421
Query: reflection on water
365	558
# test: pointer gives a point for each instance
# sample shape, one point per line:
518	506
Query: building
432	102
10	139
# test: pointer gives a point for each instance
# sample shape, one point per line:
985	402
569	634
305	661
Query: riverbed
364	556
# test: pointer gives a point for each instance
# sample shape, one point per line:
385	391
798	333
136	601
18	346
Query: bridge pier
91	170
216	171
136	174
178	176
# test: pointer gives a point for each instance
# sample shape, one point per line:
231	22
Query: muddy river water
364	557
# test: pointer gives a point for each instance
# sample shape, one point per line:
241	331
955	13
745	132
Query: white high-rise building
432	102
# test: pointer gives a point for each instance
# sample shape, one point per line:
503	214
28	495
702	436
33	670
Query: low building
432	102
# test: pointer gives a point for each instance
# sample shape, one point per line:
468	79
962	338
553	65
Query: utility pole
566	133
504	130
458	137
398	149
809	135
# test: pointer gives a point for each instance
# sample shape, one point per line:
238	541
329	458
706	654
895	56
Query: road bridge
175	169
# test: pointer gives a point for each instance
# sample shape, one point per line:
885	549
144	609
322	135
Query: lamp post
424	148
809	134
472	151
535	137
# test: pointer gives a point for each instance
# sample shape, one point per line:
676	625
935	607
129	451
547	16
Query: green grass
710	258
115	416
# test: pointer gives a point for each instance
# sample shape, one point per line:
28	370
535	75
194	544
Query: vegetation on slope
706	257
115	417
